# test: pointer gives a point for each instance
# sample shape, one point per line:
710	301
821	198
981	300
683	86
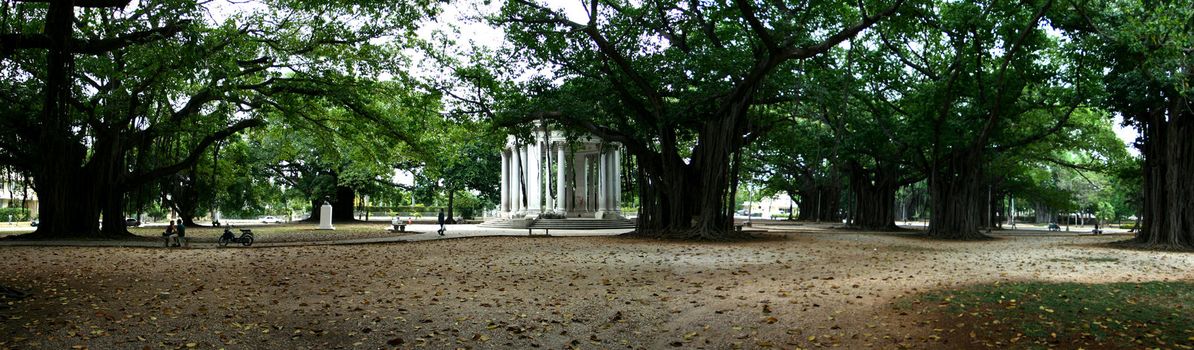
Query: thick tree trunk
315	205
342	206
186	196
1168	148
667	207
956	195
712	160
108	163
688	200
69	206
819	203
1044	214
873	207
63	190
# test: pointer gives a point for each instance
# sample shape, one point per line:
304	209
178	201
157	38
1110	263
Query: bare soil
807	287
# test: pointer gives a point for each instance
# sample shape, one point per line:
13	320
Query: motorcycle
245	239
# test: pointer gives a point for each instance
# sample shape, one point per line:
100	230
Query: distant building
775	206
13	195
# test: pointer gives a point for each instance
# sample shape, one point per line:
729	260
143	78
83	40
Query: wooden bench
399	228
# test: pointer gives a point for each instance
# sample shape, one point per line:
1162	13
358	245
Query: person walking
441	222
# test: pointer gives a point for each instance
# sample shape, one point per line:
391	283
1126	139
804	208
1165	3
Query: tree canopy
853	108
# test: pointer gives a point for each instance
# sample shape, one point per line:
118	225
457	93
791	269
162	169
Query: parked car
132	222
271	220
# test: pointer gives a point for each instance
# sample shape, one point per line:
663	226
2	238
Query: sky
1127	134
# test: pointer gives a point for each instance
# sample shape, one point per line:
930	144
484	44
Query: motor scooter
245	239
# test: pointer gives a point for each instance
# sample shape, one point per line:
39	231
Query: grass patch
1044	315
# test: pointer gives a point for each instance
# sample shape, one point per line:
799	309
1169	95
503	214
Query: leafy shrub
18	214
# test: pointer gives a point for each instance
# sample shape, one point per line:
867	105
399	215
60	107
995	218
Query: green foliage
793	157
403	209
465	157
157	83
1146	48
468	205
17	214
315	145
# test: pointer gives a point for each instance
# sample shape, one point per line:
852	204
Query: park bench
1054	227
399	227
738	227
546	232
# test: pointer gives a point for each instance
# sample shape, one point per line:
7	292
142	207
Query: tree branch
88	3
99	46
748	12
196	153
830	42
1000	81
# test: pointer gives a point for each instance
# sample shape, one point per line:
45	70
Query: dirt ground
805	288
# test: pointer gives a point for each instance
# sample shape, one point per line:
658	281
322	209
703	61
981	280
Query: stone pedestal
325	217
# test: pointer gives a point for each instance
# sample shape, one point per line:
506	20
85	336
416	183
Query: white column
504	205
602	182
580	189
617	177
609	181
560	187
550	202
516	182
525	196
534	179
569	192
594	181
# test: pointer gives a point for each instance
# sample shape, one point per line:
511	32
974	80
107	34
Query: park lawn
294	232
1072	315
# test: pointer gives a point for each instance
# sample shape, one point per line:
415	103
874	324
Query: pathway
415	233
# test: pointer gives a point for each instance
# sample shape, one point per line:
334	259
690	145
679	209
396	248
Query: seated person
182	235
170	231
